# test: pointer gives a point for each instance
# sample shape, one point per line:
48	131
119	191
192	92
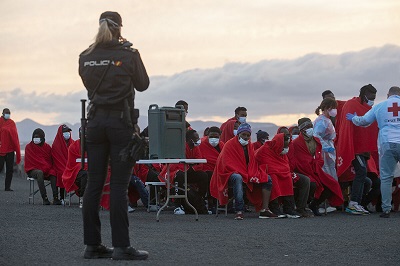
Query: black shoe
385	214
97	252
46	201
56	201
278	212
314	208
129	253
8	189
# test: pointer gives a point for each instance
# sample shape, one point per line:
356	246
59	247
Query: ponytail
103	35
317	110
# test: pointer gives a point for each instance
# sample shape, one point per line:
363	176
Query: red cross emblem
395	109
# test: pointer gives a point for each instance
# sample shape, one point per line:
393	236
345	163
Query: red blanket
278	166
59	152
303	162
227	132
257	145
222	127
9	141
39	157
72	167
174	168
354	140
210	154
232	160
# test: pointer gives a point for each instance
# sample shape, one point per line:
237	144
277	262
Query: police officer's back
110	70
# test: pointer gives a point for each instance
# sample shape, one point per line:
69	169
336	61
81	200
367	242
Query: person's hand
350	116
329	149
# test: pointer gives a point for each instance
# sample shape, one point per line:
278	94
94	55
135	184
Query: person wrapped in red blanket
272	155
262	137
305	158
74	177
354	147
210	149
9	143
236	165
39	165
59	152
195	173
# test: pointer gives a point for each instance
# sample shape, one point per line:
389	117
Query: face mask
242	119
294	137
332	112
235	132
369	102
285	150
37	140
6	116
309	132
197	143
213	141
243	142
66	135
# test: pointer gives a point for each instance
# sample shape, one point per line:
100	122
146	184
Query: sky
273	57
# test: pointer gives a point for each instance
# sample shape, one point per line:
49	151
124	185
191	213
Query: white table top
188	161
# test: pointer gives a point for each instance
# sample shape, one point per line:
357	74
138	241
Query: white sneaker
328	209
130	209
361	209
62	202
153	208
179	211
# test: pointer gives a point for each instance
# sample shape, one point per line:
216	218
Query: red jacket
39	158
72	167
59	152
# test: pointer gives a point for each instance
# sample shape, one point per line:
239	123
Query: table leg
186	198
168	194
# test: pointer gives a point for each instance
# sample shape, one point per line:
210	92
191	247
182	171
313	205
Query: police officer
387	114
110	70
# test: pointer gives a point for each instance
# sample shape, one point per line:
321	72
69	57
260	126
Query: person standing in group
354	147
387	115
9	143
325	132
111	71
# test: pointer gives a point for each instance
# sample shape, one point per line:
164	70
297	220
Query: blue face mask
66	135
242	119
6	116
243	142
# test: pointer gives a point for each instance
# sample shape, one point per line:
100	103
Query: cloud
266	88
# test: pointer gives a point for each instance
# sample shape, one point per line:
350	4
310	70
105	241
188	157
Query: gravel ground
52	235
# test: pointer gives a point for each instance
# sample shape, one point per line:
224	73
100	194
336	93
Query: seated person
59	153
305	158
39	165
262	137
273	156
294	132
236	165
137	188
195	175
74	177
210	149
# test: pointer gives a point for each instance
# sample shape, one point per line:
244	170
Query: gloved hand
329	149
350	116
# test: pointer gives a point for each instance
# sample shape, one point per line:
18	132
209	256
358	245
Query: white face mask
213	141
36	140
66	135
369	102
197	143
243	142
285	150
235	132
6	116
309	132
294	137
332	112
242	119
